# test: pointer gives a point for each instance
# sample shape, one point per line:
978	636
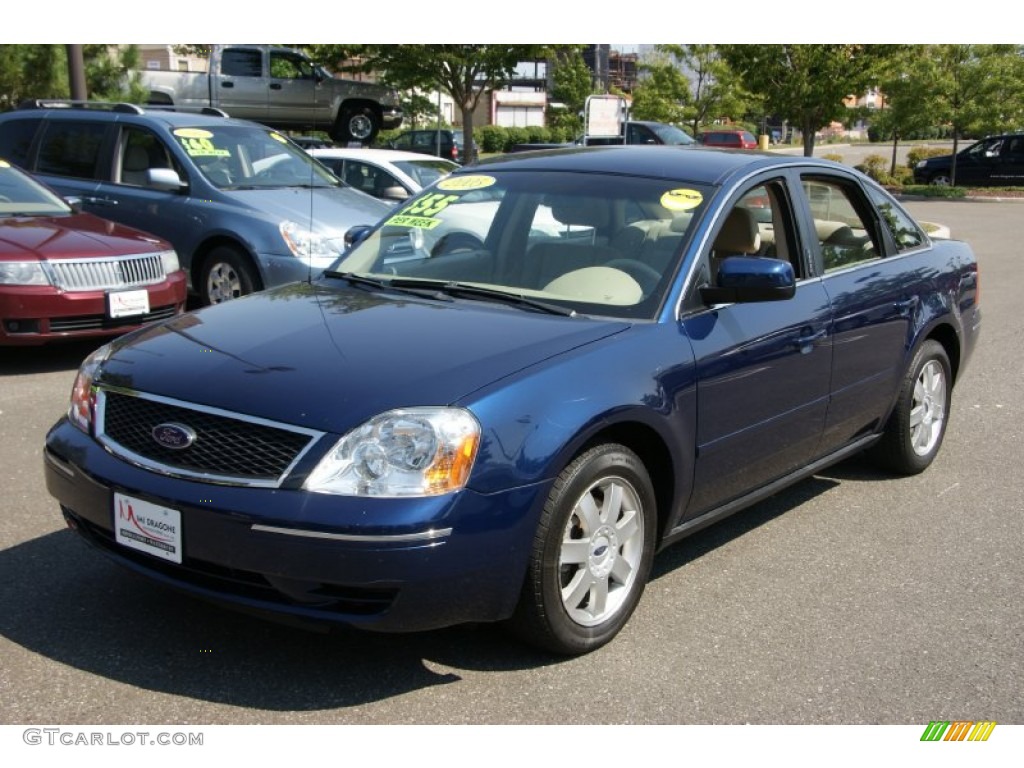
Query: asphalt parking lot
850	598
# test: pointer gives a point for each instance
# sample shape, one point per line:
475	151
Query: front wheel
941	179
356	124
227	274
592	553
914	432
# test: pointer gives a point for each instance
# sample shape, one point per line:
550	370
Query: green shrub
876	167
490	138
515	136
917	154
538	134
835	157
935	191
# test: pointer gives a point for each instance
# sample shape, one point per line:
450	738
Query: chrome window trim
118	450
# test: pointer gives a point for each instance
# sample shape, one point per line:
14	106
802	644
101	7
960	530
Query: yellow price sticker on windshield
4	164
465	183
198	147
419	222
278	137
681	199
193	133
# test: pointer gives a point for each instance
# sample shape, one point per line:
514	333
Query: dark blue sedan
518	386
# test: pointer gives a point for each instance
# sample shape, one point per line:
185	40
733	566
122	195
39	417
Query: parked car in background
730	139
633	132
244	207
446	143
279	87
509	430
994	161
311	142
388	174
69	275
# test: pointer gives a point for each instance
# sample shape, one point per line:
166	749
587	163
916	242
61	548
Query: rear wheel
592	553
356	124
914	432
227	274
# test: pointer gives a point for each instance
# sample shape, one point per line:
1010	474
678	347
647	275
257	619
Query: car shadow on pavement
66	602
19	361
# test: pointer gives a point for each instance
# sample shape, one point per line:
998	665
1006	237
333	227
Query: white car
387	174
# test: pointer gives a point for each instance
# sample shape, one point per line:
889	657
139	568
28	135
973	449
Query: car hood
329	357
77	236
332	210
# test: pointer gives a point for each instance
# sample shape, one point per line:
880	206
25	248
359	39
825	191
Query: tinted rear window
16	140
71	148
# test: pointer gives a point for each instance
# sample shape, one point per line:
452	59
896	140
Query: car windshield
578	242
669	134
21	196
248	157
425	172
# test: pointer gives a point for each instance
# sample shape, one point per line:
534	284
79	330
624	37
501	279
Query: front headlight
83	394
22	273
169	260
921	163
408	452
307	244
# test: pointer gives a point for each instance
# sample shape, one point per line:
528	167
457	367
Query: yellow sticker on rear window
419	222
681	199
465	183
193	133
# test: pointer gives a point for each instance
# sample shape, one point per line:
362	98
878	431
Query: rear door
873	304
242	85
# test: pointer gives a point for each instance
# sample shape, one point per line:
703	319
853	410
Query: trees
714	91
41	72
663	93
464	72
806	84
572	82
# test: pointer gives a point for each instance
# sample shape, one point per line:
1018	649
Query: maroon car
68	275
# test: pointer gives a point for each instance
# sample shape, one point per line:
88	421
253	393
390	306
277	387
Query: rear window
71	148
16	140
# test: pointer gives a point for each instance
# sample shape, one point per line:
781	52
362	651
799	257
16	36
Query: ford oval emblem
174	436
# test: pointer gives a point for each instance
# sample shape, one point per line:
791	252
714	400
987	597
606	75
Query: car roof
375	155
101	112
703	165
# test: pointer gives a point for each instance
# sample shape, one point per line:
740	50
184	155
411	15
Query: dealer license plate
128	303
147	527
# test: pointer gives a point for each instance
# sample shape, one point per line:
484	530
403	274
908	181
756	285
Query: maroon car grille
101	274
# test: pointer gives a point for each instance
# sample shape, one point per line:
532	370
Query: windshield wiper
414	289
490	294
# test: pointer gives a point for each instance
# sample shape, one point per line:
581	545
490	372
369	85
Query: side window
424	140
760	224
289	66
139	151
841	222
904	231
403	142
16	140
241	62
71	149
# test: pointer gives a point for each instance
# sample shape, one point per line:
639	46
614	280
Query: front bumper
391	117
382	564
31	315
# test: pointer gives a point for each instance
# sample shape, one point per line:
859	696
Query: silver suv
244	207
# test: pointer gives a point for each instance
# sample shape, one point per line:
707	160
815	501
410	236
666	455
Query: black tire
358	123
941	179
227	274
591	555
917	425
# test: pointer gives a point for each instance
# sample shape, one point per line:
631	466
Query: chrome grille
228	448
101	274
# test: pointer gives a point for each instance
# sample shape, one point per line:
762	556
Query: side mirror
744	279
165	179
398	194
356	234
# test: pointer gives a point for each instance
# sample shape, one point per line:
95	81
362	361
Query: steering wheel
455	242
646	275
